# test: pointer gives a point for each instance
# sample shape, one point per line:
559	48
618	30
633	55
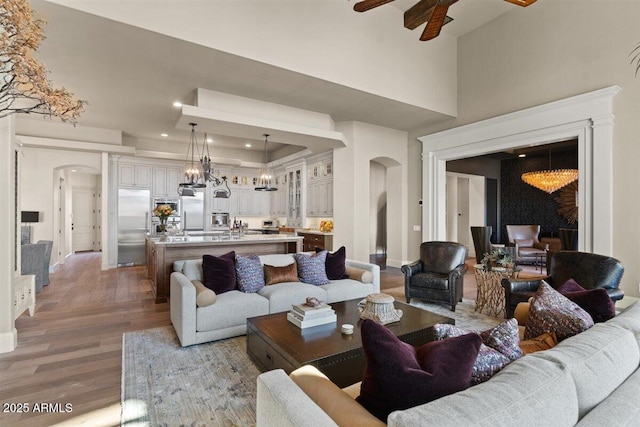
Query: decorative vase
163	225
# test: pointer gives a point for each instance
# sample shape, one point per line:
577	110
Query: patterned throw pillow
489	360
505	338
311	268
550	311
398	375
249	273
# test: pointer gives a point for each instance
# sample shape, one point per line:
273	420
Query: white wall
8	334
39	178
361	50
555	50
351	210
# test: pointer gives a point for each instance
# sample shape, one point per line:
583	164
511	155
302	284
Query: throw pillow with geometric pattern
505	338
249	273
489	360
551	311
311	268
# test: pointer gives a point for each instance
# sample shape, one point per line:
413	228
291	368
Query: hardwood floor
70	352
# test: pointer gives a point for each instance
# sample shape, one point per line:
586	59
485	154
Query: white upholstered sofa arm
373	268
182	302
280	402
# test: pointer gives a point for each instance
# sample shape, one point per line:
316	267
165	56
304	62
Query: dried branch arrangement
24	86
567	200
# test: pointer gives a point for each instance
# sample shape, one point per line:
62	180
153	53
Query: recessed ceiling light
209	140
164	135
522	155
73	170
247	145
177	104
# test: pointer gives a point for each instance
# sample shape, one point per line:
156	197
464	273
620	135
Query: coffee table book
302	322
310	312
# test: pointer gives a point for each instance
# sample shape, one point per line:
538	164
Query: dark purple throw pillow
219	272
399	376
335	265
596	302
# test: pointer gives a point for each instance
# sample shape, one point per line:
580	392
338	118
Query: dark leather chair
589	270
438	275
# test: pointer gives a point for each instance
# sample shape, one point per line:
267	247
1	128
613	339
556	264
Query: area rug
163	384
212	384
465	315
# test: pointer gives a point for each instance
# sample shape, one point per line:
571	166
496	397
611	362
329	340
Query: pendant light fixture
552	179
205	162
192	172
265	176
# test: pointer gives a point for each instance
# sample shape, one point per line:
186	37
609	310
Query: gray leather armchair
528	248
589	270
438	275
35	259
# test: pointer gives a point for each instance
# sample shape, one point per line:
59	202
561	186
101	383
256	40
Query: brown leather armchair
528	248
438	275
589	270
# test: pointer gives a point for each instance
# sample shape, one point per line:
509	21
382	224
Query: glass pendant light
192	173
550	180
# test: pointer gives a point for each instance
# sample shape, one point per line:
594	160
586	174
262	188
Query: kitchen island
161	252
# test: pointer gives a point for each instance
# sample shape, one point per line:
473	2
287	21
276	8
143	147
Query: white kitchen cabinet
136	176
296	202
165	181
320	198
245	201
260	203
221	205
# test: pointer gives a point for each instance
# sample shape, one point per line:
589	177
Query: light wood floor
71	350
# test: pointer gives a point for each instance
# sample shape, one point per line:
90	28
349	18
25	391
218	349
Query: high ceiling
131	76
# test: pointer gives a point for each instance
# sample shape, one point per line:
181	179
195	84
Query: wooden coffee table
275	343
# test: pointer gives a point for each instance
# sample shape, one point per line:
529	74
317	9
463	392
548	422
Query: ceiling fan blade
432	30
364	5
419	13
523	3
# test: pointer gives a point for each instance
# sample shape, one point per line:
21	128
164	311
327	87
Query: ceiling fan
433	12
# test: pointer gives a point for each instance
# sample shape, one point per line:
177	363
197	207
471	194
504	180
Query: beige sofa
591	379
227	317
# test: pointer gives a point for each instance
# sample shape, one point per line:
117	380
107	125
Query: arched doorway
384	206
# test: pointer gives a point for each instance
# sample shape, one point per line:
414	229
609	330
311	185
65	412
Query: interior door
83	219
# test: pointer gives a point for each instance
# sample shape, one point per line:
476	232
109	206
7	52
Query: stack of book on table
304	316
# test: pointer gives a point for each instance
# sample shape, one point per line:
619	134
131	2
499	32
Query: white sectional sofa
590	379
227	317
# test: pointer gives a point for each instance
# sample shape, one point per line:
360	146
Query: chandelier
193	173
550	180
265	176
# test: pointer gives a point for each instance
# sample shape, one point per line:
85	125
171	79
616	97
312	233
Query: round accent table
490	295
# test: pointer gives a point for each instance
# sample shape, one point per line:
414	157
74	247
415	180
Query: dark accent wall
524	204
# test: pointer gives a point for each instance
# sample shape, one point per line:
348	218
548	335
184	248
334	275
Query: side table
490	293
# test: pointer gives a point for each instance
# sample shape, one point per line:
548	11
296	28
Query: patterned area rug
163	384
465	314
212	384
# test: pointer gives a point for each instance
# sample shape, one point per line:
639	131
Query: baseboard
8	341
394	263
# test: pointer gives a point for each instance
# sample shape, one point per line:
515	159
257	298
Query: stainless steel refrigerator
193	212
133	224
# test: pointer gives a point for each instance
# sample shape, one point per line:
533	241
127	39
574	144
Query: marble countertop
222	239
